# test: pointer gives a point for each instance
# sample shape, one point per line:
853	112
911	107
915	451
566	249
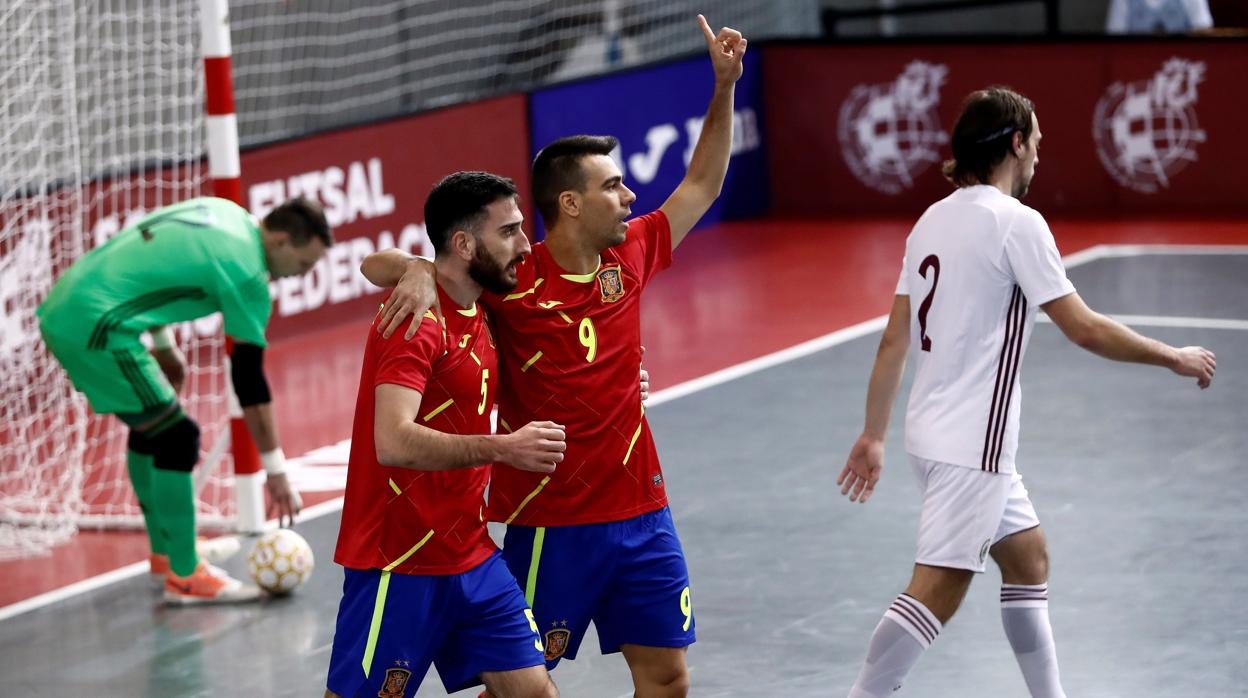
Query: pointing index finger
706	31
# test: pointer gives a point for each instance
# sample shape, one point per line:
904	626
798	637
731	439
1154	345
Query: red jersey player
424	582
594	540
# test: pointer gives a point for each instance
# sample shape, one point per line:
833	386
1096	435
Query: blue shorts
391	627
629	577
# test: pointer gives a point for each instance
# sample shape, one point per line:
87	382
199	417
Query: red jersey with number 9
570	353
414	521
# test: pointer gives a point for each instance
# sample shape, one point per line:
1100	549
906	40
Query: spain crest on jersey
395	683
611	283
557	642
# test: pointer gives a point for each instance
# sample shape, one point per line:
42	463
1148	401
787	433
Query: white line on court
131	570
1198	323
732	373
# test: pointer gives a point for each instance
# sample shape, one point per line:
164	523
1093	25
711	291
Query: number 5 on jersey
485	390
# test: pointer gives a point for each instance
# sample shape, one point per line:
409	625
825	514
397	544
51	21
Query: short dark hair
458	202
557	168
303	219
984	134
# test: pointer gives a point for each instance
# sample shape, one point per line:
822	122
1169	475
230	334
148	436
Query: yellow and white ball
280	561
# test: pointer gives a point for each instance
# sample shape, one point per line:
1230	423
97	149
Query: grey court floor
1138	477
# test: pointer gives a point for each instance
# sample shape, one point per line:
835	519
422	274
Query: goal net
101	122
312	65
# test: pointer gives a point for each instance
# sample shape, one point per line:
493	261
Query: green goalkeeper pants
121	379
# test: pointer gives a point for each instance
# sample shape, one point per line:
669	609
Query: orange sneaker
207	584
211	551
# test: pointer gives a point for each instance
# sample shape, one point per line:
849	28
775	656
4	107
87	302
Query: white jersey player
978	264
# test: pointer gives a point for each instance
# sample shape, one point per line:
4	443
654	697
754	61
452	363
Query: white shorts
966	511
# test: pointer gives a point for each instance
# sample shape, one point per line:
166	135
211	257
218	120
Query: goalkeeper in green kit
179	263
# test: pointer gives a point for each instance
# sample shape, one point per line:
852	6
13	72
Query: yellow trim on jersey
522	294
583	278
530	362
471	312
525	502
474	358
437	411
636	434
409	553
395	488
632	443
505	425
564	316
374	625
530	584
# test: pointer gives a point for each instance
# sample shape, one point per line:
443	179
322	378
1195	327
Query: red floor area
797	279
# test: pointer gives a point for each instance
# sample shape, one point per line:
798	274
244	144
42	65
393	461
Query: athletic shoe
212	551
207	584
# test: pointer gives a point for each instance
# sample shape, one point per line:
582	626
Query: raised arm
402	442
866	458
709	164
1111	339
415	283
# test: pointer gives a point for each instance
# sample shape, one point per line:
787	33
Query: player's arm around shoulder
415	283
1109	338
709	164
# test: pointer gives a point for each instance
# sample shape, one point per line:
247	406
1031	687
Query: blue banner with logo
656	113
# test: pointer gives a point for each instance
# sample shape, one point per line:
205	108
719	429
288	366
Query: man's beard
1021	187
488	273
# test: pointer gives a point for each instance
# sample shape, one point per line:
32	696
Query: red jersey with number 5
414	521
570	352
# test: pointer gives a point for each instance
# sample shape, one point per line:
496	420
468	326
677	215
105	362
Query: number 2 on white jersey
930	262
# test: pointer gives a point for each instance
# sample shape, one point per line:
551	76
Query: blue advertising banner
657	113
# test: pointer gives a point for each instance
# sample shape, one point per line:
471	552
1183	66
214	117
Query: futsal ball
280	561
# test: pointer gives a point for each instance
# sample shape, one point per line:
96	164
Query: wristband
274	462
162	338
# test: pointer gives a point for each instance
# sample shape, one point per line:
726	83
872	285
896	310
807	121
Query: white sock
1025	615
906	629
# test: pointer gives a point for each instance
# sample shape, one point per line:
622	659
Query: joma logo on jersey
395	683
611	284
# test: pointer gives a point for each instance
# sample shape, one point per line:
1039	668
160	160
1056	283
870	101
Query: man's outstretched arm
1111	339
709	164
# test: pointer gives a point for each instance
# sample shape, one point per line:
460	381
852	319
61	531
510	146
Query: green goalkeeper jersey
180	263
